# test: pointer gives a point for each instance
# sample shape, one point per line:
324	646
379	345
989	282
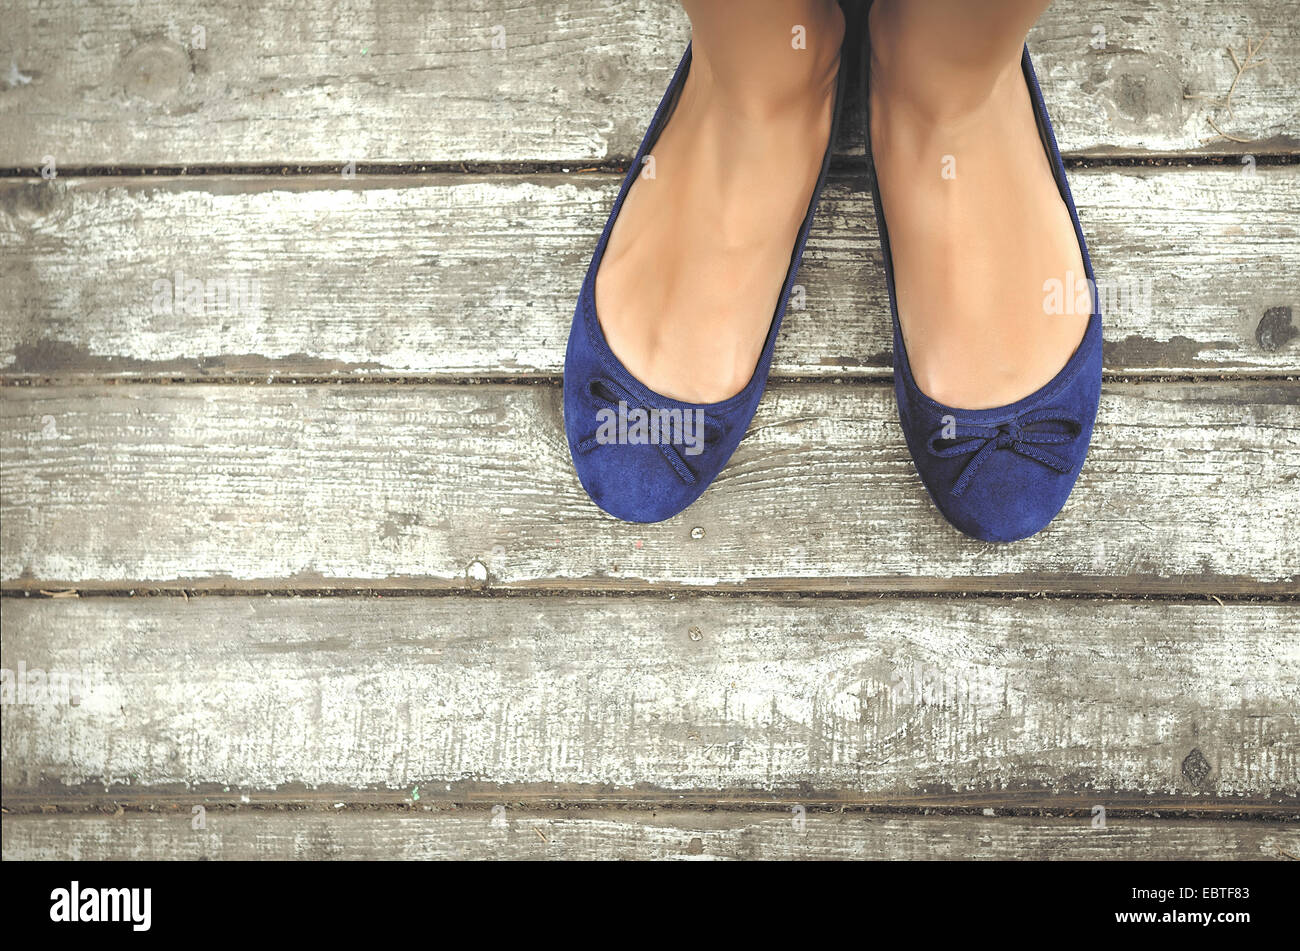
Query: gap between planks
434	379
1237	590
1117	159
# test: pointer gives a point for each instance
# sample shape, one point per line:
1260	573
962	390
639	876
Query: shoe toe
1003	475
1011	498
635	483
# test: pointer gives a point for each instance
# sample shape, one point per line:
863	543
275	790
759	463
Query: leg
694	266
941	49
977	224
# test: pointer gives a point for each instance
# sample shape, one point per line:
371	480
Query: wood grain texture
117	83
1187	489
1042	701
458	276
597	835
698	683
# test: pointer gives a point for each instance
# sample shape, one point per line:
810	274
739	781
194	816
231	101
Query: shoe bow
607	394
1019	436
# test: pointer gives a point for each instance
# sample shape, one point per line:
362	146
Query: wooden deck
318	563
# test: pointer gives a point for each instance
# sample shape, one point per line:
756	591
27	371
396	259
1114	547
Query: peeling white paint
445	276
865	696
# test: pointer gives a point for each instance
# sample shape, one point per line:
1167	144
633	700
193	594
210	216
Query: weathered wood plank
1188	488
460	276
600	835
1051	701
115	83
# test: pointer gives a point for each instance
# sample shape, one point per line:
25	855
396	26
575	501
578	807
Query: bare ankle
938	90
796	70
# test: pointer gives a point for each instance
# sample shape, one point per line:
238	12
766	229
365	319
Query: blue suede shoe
643	457
1002	474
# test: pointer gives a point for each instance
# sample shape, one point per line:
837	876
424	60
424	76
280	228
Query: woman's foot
693	270
979	233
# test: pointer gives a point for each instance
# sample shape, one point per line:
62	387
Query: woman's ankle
797	72
907	74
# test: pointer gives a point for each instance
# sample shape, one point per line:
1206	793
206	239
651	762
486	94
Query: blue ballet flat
1002	474
641	456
